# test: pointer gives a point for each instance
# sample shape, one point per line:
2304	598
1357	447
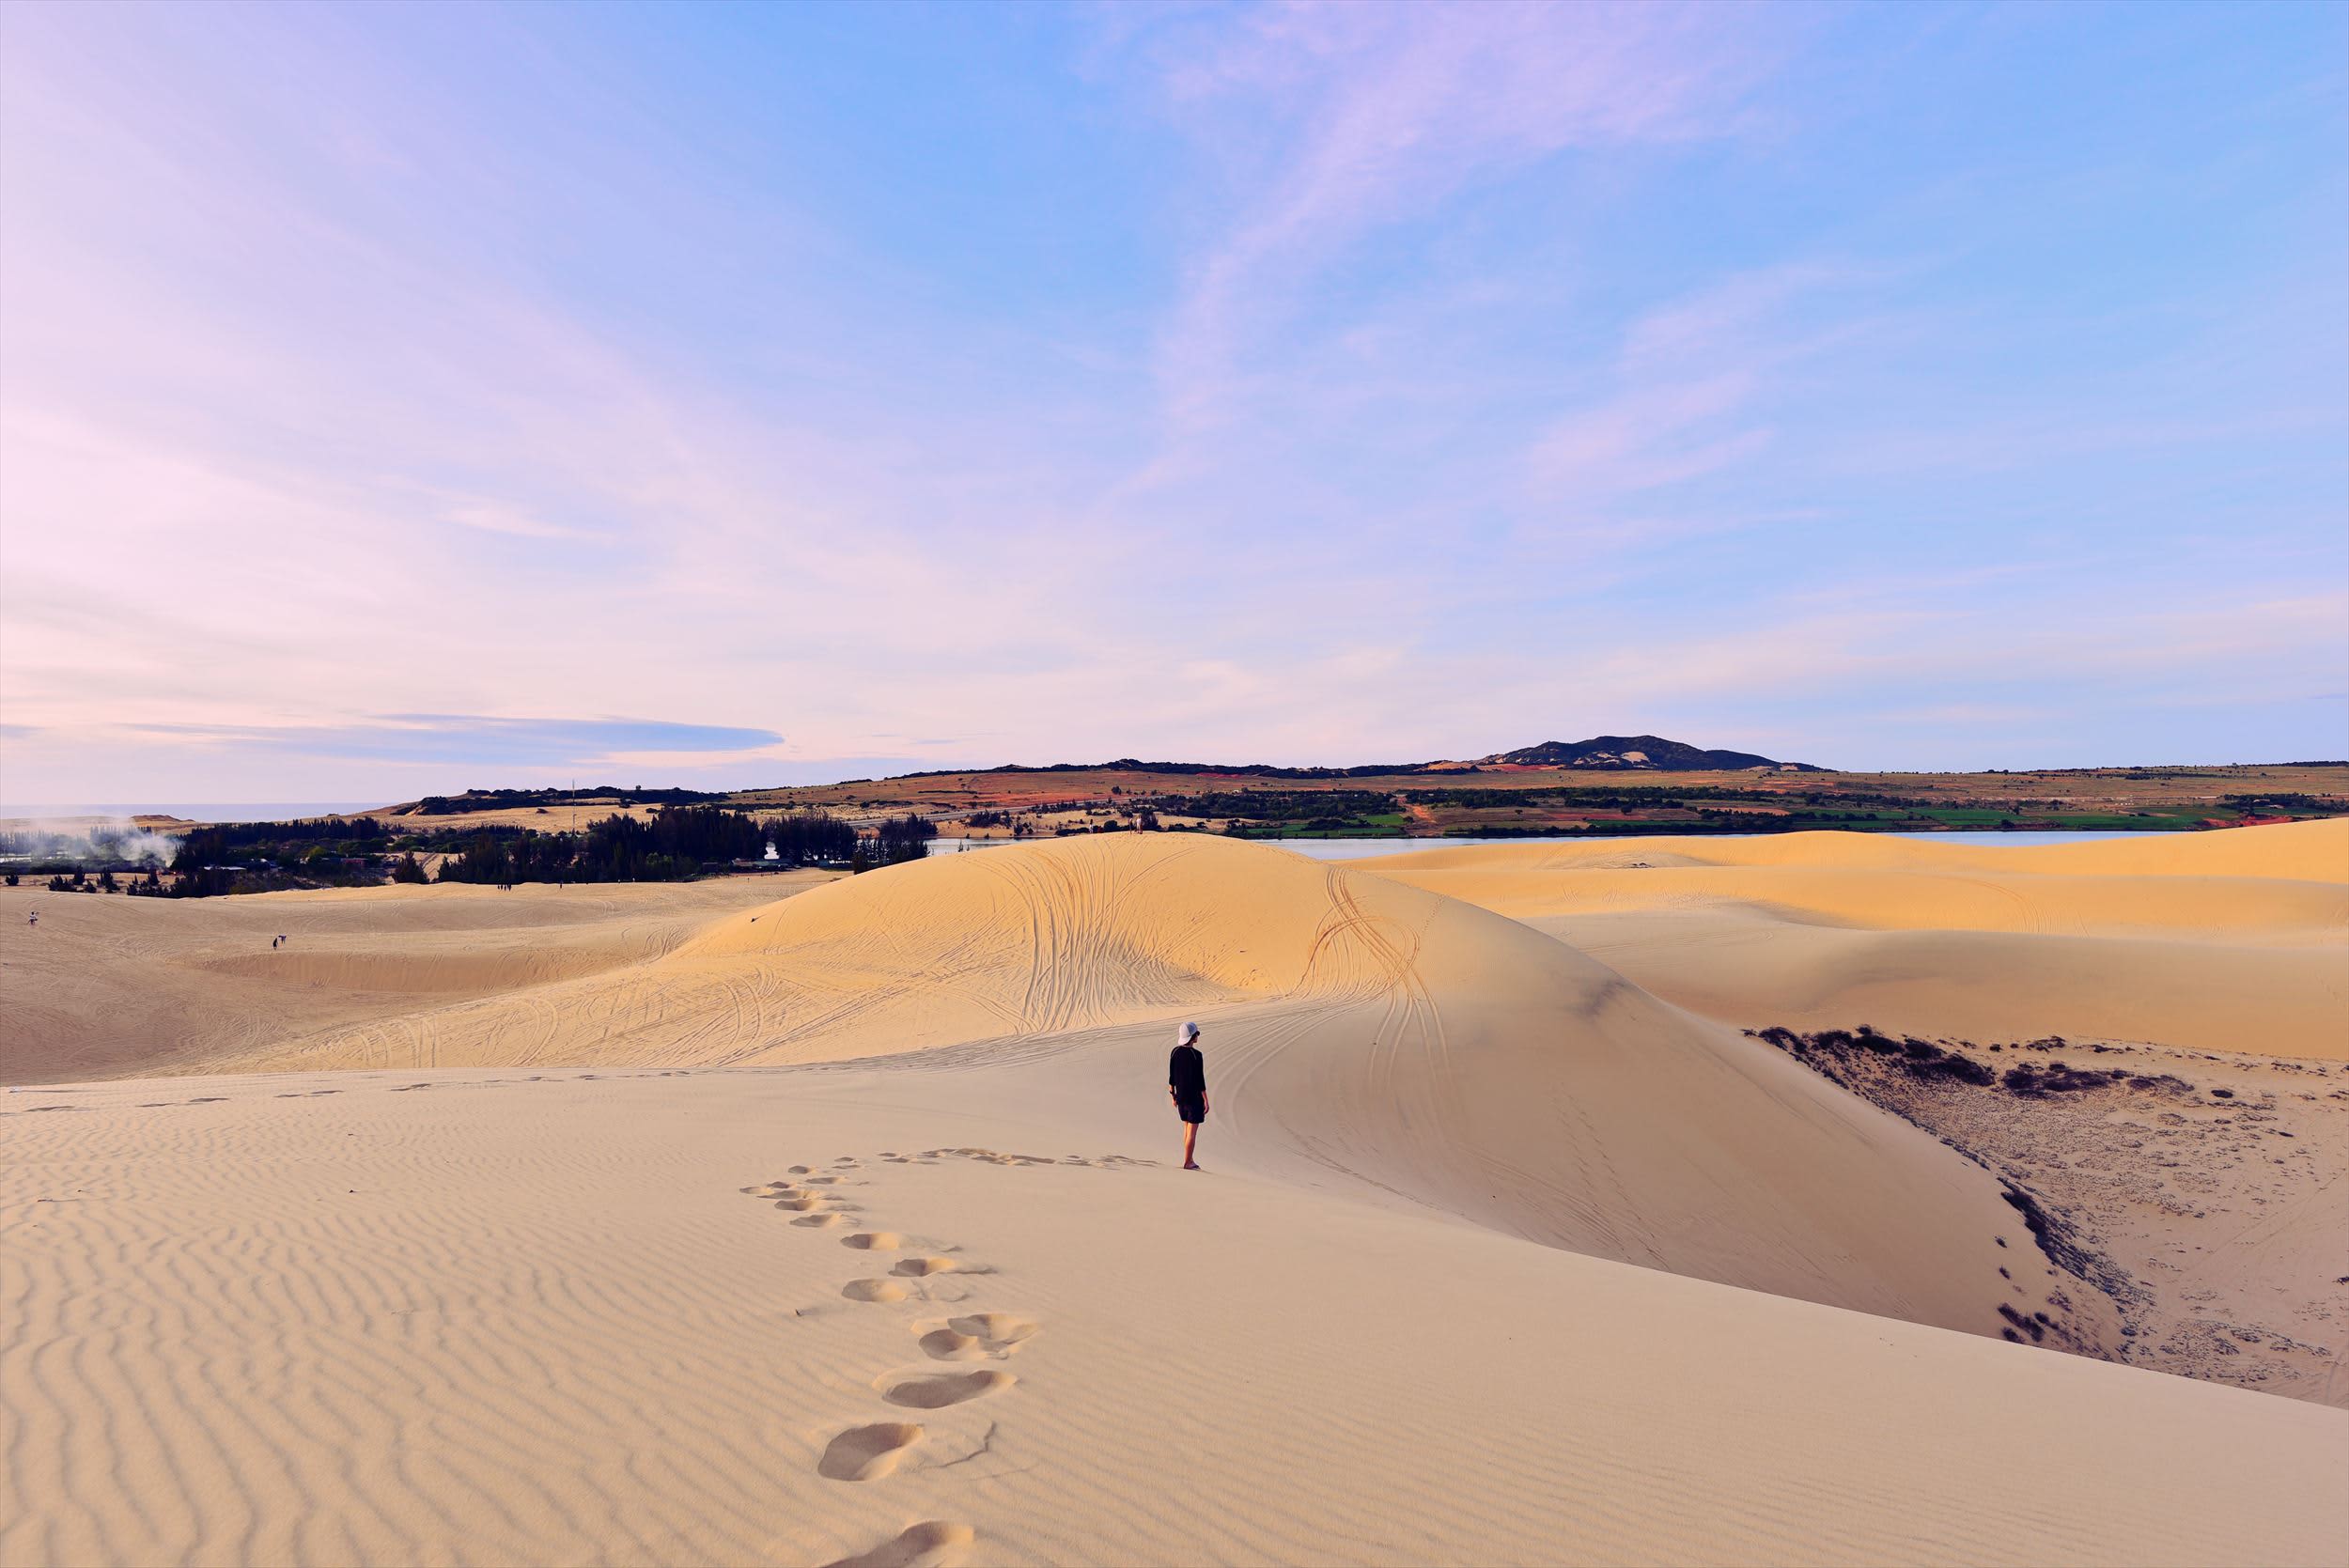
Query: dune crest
2233	940
2312	851
535	1242
1419	1047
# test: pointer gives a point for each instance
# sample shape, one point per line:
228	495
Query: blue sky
395	400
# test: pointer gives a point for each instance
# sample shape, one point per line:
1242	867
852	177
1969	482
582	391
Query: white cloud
1379	113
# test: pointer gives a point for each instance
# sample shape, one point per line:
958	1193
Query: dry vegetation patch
2150	1174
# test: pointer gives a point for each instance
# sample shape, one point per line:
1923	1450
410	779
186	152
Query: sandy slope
493	1306
534	1318
106	985
2228	941
1368	1033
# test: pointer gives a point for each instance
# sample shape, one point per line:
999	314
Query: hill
1652	753
1649	752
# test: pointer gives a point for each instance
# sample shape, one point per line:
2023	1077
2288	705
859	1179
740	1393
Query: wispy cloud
485	741
1692	385
1288	383
1354	118
491	518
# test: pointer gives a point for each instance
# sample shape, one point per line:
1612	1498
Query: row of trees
345	838
510	799
900	839
674	845
79	881
1277	805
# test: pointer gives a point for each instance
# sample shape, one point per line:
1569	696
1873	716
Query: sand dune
1411	1044
2268	884
558	1318
701	1225
1978	986
2307	851
2228	941
109	986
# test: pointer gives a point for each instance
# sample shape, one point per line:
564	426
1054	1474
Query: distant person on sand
1186	1081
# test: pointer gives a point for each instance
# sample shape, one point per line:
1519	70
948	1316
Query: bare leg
1190	1143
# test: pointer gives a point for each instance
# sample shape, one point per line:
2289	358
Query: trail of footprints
875	1450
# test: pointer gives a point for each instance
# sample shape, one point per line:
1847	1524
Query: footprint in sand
874	1241
973	1338
931	1543
875	1290
821	1222
802	1203
944	1345
799	1171
867	1452
916	1268
935	1390
994	1332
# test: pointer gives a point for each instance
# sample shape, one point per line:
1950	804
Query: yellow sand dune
2312	851
2235	941
108	985
574	1284
2206	908
494	1317
1407	1044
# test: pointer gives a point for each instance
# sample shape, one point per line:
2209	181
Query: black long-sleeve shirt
1187	1072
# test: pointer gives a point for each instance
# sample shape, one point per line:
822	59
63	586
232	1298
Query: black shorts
1192	1107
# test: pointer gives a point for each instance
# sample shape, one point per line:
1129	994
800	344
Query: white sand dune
2222	942
820	1228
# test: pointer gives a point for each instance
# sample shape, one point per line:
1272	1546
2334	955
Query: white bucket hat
1186	1034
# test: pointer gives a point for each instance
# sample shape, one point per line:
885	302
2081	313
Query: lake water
1359	849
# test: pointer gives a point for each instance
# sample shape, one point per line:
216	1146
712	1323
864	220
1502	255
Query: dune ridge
701	1225
2235	941
106	986
1411	1044
2311	851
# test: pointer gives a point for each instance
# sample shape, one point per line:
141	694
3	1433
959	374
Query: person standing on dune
1187	1083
